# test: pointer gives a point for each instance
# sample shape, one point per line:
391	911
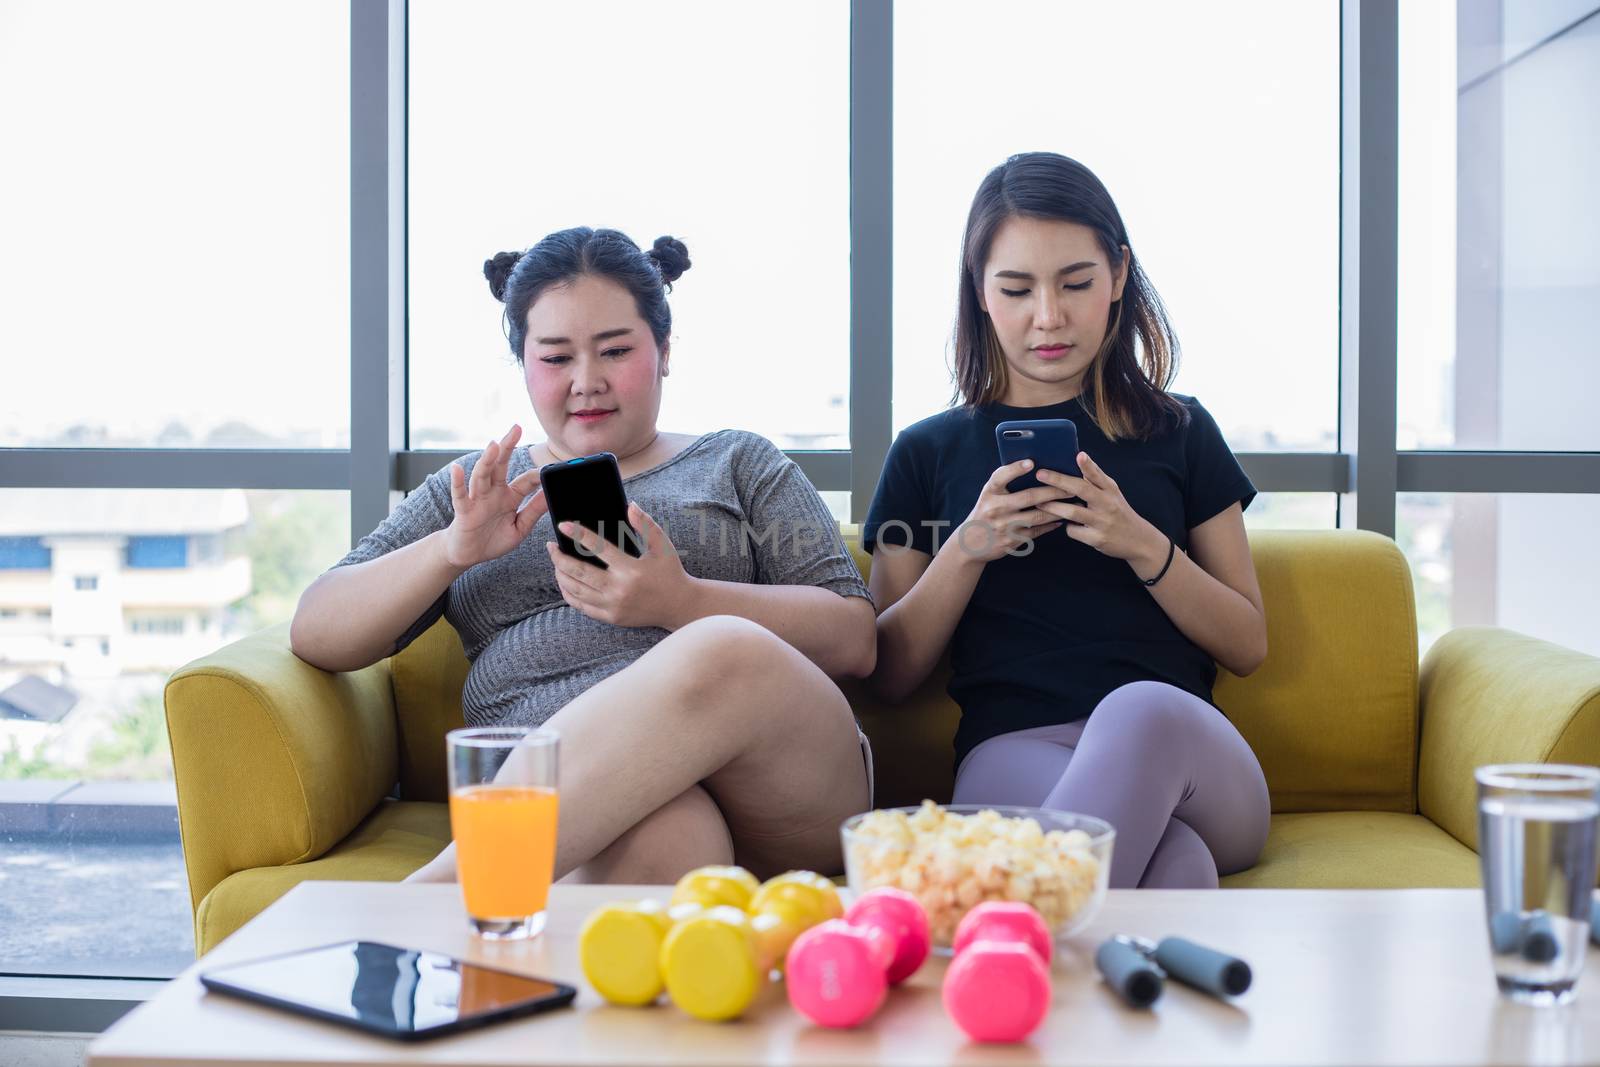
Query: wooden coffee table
1341	977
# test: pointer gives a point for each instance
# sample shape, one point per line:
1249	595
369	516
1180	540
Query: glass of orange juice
503	811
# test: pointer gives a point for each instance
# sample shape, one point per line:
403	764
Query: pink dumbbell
998	987
839	971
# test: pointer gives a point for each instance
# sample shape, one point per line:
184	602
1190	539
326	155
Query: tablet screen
381	987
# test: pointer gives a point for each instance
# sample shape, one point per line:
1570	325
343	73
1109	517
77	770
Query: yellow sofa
285	772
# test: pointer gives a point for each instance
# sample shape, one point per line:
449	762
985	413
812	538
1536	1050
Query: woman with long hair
1085	616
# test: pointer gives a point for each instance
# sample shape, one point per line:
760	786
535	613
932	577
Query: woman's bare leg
723	703
670	842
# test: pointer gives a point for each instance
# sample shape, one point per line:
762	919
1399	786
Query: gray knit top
736	508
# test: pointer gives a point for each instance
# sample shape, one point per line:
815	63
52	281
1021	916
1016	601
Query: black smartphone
1052	444
397	992
588	491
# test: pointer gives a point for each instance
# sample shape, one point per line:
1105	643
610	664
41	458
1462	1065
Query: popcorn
952	862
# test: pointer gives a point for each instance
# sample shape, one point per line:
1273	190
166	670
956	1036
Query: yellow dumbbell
710	886
800	893
715	963
619	946
717	967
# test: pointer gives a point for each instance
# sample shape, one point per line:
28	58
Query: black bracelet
1172	550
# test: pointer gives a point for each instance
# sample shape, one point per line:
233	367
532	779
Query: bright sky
178	244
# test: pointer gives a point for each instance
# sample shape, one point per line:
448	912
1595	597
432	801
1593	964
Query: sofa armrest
1493	696
275	760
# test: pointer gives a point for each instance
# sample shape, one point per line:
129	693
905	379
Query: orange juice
505	848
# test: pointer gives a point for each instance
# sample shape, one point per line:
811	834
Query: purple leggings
1166	769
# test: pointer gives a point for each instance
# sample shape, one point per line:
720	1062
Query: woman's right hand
1002	521
487	523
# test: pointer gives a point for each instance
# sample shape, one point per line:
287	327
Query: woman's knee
1153	709
726	661
724	650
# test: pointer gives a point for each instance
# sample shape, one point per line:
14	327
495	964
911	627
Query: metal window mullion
377	257
871	244
1368	273
1272	472
1499	472
173	468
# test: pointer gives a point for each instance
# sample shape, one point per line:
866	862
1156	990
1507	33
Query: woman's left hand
1105	521
648	591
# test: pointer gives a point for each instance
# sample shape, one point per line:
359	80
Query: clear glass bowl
1063	875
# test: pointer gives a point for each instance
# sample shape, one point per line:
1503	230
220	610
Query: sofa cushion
1358	850
395	840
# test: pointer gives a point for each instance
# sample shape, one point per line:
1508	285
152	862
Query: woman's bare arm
1212	595
920	600
352	616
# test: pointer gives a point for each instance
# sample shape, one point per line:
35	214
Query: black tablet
397	992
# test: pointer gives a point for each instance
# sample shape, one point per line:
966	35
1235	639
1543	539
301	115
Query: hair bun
498	271
671	257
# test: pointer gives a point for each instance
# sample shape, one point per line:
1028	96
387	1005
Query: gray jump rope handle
1128	972
1532	937
1204	968
1539	944
1594	919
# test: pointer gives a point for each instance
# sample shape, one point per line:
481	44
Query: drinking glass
503	813
1536	841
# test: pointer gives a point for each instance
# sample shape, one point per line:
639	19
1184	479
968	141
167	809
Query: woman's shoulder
1197	433
944	433
1193	405
1196	417
941	423
700	455
741	445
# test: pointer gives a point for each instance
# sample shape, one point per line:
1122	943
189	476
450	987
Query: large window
726	125
1499	305
1216	132
191	186
1499	236
91	868
1511	559
175	205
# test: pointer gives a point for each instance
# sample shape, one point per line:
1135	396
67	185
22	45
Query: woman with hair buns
691	686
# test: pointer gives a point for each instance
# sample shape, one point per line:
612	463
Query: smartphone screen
588	491
398	992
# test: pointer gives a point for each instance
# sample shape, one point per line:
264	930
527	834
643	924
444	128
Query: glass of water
1536	841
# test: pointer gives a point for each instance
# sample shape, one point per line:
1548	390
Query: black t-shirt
1046	636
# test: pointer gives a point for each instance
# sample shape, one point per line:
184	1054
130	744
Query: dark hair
518	278
1125	396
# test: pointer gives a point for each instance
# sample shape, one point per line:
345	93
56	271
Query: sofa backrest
1332	714
427	677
